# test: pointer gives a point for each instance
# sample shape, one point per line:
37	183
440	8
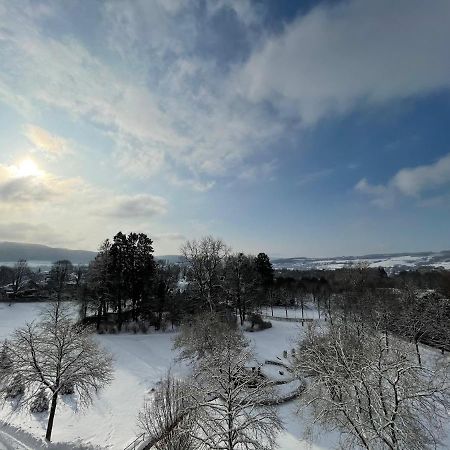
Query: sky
297	128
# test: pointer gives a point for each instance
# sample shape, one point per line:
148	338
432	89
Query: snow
140	361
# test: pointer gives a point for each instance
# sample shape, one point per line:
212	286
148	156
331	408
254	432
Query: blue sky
295	128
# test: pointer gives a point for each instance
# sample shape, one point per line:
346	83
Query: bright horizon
313	128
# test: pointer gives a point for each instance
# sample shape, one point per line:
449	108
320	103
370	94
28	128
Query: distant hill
392	262
170	259
13	251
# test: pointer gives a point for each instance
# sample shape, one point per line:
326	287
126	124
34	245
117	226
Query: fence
136	443
287	319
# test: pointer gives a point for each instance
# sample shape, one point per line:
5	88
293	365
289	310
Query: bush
257	320
112	329
143	326
5	360
16	388
265	325
67	389
40	402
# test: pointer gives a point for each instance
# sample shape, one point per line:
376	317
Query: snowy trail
8	442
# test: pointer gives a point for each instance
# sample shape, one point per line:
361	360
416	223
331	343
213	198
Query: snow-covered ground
140	361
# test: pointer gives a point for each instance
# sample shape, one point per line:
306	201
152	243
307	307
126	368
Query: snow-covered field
140	361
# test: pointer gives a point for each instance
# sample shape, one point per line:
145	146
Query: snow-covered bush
67	389
15	388
258	323
40	402
5	360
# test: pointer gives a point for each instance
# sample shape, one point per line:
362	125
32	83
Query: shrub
40	402
143	326
67	389
257	320
265	325
16	388
5	360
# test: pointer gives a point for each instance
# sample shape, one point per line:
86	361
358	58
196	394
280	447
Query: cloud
354	53
135	206
27	232
413	181
169	237
49	143
410	182
313	176
191	183
173	108
262	171
176	96
22	191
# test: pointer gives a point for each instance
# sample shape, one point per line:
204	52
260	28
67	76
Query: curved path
8	442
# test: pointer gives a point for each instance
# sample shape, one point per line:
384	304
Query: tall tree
265	269
205	259
99	282
132	271
20	272
59	276
240	282
166	278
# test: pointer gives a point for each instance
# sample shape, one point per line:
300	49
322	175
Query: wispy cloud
48	143
312	177
411	182
264	171
177	237
27	232
134	206
192	183
185	113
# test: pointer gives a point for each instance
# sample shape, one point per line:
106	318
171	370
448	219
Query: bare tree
231	397
20	272
169	417
202	334
377	396
59	276
205	258
54	354
233	402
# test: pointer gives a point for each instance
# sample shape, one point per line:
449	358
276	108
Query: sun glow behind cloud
27	168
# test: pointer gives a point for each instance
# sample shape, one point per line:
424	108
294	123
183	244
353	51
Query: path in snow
8	442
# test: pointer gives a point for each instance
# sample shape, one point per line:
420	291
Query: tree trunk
99	317
119	314
419	359
51	417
